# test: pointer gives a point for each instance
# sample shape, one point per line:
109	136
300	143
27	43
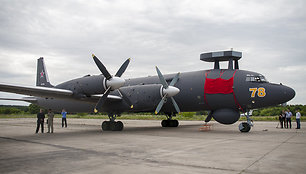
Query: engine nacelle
226	116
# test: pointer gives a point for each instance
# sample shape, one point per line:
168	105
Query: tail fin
42	78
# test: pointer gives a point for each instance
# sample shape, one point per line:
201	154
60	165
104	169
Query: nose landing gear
246	126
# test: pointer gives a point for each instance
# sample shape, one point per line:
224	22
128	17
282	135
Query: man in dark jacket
40	121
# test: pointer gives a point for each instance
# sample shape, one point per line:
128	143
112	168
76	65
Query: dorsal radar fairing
220	56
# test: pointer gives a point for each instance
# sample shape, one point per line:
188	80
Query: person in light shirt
288	118
298	119
64	119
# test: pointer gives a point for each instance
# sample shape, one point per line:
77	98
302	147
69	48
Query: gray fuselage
250	90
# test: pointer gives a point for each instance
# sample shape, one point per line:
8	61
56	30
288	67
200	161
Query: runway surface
146	147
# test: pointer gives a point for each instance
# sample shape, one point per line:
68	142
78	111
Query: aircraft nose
289	93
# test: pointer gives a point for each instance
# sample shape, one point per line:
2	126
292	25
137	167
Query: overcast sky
170	34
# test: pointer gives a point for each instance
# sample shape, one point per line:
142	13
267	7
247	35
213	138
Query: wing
45	92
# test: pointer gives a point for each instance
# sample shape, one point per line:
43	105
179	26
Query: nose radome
289	93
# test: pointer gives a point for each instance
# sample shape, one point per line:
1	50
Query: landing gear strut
246	126
169	122
112	125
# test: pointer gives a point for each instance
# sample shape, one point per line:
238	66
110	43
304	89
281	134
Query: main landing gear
112	125
169	122
246	126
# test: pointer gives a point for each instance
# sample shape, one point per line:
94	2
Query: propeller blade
102	100
162	79
174	80
175	106
102	67
160	105
126	99
123	68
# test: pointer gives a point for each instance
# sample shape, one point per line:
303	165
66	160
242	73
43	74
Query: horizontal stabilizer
25	99
36	91
46	92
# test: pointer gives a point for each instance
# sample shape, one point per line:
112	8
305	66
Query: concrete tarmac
146	147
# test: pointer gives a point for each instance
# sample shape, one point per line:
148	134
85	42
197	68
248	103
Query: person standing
64	119
298	119
50	121
40	121
281	118
288	118
285	113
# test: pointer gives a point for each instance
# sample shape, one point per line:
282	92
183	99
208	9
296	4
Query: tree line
276	110
270	111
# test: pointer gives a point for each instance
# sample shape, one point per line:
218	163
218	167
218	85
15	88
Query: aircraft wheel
120	126
116	126
165	123
173	123
244	127
176	123
106	126
169	123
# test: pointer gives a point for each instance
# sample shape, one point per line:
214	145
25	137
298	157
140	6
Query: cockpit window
256	78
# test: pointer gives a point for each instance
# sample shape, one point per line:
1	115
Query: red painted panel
219	86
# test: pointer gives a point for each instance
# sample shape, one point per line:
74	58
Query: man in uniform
50	120
40	121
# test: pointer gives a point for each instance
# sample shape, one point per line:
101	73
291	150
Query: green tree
33	109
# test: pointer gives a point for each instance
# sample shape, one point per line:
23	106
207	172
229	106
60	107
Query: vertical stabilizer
42	78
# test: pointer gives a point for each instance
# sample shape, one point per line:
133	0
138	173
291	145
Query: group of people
285	119
50	114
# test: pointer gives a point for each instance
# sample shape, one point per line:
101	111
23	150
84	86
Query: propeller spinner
167	91
111	83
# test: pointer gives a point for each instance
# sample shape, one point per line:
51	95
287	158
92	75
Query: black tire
120	126
245	127
171	123
176	123
106	126
165	123
116	126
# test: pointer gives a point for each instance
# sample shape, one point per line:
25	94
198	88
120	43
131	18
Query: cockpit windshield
256	78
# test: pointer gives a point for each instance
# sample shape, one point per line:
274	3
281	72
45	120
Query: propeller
167	91
111	82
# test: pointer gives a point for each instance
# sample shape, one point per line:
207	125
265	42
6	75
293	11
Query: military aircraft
223	92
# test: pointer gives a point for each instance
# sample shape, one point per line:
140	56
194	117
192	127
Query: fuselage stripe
236	101
205	100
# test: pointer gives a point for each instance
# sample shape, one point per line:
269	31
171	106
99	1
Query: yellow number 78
261	92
